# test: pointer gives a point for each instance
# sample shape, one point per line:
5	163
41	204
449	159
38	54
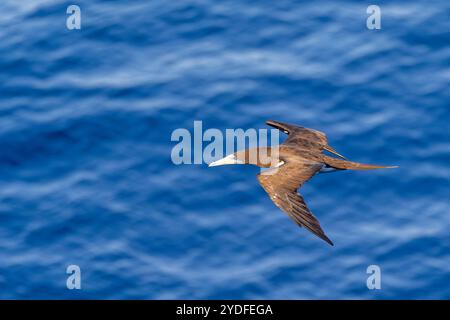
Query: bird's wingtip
331	150
327	240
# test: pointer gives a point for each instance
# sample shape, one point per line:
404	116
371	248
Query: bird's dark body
293	163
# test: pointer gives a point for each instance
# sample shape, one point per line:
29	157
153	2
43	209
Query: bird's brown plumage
307	138
302	155
292	163
282	184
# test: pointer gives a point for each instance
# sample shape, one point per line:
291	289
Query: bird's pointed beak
330	149
230	159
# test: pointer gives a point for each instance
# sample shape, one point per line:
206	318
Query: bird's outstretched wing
282	184
301	136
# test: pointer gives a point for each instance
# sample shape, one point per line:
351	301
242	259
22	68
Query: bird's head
264	157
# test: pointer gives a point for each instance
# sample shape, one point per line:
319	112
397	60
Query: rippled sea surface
86	176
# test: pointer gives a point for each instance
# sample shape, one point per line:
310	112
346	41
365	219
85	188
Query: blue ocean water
86	118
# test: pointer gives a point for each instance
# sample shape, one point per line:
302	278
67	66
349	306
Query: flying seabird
291	164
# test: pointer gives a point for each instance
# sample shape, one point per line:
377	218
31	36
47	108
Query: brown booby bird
291	164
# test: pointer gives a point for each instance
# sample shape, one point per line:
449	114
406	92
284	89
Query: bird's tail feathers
349	165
